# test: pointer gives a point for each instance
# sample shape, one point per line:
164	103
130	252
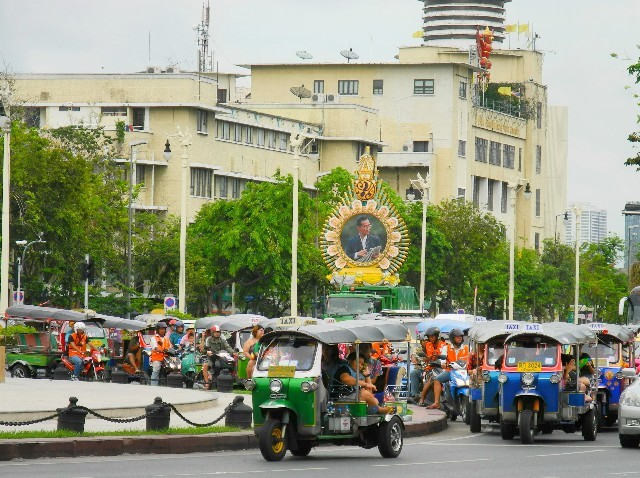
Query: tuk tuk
533	394
487	345
615	351
296	405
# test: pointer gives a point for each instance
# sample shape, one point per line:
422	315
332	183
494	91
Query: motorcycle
456	392
92	367
188	367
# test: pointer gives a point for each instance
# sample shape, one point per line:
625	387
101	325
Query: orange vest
80	342
162	343
380	348
454	355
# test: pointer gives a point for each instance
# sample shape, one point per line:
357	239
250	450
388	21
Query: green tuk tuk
297	405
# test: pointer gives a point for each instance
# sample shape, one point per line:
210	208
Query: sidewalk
29	399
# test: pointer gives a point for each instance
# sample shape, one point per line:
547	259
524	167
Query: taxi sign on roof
597	326
532	328
479	318
511	327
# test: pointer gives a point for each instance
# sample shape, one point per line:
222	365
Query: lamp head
167	151
21	243
527	192
411	194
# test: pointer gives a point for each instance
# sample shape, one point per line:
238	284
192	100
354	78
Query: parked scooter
92	367
456	392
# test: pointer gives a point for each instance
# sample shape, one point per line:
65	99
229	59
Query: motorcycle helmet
172	321
456	333
215	328
79	326
179	323
432	331
161	325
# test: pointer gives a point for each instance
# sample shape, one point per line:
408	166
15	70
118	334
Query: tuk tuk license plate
282	371
529	366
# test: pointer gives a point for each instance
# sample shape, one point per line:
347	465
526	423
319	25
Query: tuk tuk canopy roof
561	332
111	322
482	332
349	331
231	323
445	325
620	333
34	312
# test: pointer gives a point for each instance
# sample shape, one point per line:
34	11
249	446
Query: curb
156	444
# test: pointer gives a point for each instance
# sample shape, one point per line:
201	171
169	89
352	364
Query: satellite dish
304	55
300	92
350	54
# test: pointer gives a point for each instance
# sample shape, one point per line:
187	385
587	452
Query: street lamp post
423	186
629	251
21	260
577	211
565	217
514	188
184	138
296	143
5	126
132	163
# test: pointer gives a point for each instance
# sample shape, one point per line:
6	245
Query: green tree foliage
634	71
559	262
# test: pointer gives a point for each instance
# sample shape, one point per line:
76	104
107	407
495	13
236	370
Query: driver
77	347
454	351
157	353
213	346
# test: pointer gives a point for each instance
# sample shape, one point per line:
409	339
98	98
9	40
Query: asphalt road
454	451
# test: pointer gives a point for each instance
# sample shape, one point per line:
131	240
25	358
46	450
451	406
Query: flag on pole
505	90
418	34
511	28
523	28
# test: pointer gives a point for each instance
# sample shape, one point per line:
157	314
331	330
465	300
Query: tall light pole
577	211
514	188
132	164
21	261
5	126
423	186
184	138
296	142
629	251
555	231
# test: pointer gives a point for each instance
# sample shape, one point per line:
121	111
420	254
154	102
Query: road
452	451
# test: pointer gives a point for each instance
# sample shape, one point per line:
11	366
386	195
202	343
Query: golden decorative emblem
365	185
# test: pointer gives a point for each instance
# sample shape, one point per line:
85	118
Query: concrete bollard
175	380
225	382
240	416
159	417
70	418
119	376
61	372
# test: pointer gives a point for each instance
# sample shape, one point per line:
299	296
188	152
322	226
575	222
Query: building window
537	203
491	185
481	150
138	115
282	141
237	133
538	159
462	148
140	170
421	146
503	198
222	95
201	180
222	186
248	134
461	193
348	87
539	115
105	110
203	118
509	156
462	90
536	241
235	188
318	86
260	137
519	159
31	117
377	87
272	139
476	190
495	153
423	87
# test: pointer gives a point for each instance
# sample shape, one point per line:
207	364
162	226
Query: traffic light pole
86	282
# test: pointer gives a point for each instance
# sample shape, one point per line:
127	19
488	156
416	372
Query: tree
601	286
634	70
559	260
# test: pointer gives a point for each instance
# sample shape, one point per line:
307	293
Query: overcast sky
78	36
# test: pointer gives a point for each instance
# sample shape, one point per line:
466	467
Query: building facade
593	224
632	232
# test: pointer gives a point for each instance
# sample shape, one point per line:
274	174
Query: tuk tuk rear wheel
21	371
629	441
590	425
475	425
507	430
465	409
301	448
390	438
527	429
272	445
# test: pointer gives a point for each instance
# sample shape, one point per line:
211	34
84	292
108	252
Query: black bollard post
71	418
158	415
240	415
61	372
225	382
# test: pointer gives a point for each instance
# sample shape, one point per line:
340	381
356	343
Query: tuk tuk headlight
555	378
502	378
308	386
619	375
486	376
527	379
275	386
249	384
630	400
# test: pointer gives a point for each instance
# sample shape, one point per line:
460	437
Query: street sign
169	303
18	298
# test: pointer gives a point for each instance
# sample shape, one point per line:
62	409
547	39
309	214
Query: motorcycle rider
77	346
177	334
454	351
157	353
213	346
431	348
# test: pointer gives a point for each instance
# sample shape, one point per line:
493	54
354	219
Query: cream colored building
431	119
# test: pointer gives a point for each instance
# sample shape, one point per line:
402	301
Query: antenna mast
202	30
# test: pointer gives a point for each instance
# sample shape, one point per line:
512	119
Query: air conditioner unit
332	98
173	69
318	97
407	147
154	69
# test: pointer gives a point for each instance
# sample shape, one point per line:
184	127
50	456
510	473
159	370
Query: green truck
356	300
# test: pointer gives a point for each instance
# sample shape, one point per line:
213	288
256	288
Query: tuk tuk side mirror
628	373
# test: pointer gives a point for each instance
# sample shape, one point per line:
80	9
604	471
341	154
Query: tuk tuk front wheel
629	441
475	425
301	448
390	438
507	430
526	425
272	445
20	371
464	409
590	425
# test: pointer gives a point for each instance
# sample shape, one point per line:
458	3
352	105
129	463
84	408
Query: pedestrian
251	347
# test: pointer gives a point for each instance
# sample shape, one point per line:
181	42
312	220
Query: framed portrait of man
363	239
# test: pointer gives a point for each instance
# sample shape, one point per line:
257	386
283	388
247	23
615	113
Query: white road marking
568	453
435	462
624	473
215	473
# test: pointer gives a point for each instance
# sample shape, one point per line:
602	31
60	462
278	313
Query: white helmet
79	326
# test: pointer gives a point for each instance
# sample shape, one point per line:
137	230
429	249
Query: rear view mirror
628	373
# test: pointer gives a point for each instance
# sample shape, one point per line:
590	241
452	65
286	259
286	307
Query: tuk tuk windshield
608	349
546	354
288	351
494	352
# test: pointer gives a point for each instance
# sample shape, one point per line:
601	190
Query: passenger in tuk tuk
381	349
454	351
134	353
251	348
346	374
570	378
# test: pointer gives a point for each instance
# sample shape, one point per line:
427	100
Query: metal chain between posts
227	409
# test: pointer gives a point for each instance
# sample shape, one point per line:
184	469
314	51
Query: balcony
403	159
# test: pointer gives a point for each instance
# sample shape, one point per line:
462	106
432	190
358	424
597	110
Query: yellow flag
418	34
505	90
511	28
523	28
